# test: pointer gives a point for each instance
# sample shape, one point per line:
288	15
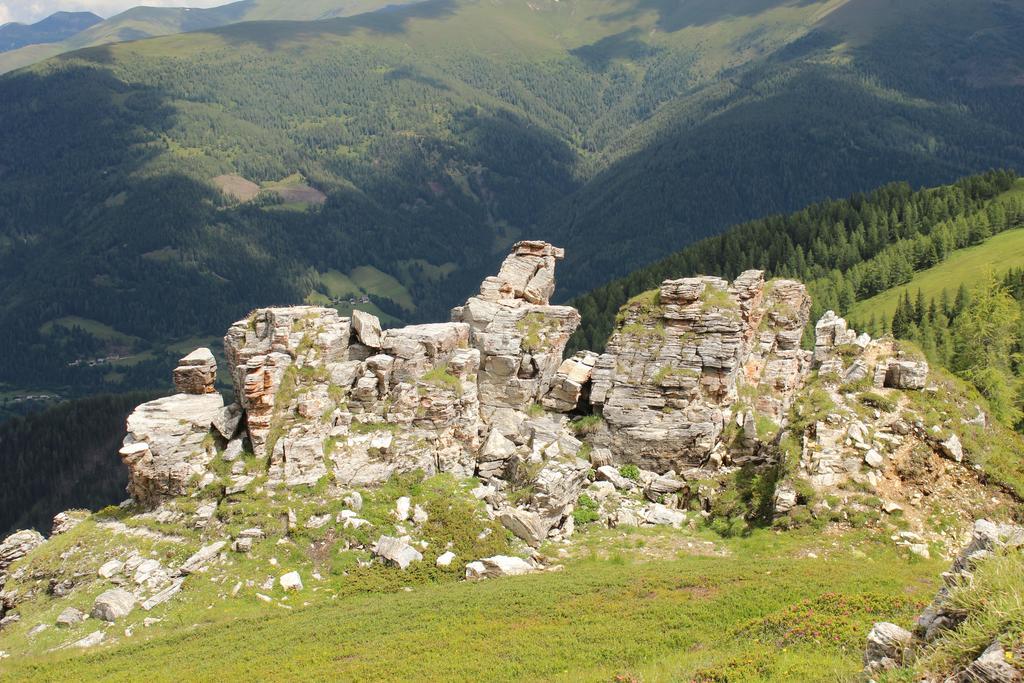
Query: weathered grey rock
529	526
165	447
570	381
498	566
198	561
396	551
110	569
677	360
494	454
164	595
886	646
611	474
113	605
18	545
291	581
992	667
226	424
64	522
906	374
785	498
952	448
987	537
660	515
91	640
196	373
261	349
70	617
367	328
874	459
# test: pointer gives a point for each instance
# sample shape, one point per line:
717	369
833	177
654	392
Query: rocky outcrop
196	373
682	355
986	539
520	337
168	445
18	545
888	644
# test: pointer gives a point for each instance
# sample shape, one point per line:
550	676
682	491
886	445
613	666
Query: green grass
374	281
764	611
964	266
97	329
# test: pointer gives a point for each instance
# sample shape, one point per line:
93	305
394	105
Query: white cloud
33	10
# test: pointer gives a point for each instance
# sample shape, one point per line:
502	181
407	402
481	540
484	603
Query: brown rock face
261	349
196	373
682	356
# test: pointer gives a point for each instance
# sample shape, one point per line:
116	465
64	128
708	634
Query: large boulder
396	551
906	374
166	446
113	604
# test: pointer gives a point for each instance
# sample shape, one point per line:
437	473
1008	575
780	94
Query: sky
28	11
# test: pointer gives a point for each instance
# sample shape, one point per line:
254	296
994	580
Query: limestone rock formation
520	337
681	356
887	642
168	446
196	373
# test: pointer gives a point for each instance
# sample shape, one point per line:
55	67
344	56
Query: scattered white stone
483	491
164	595
91	640
264	598
497	566
874	459
354	501
419	515
890	507
445	559
402	507
317	521
200	559
952	448
110	569
291	581
919	549
396	551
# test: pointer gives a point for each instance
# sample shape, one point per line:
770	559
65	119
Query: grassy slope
964	266
767	611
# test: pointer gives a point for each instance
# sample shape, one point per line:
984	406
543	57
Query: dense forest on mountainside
846	250
393	156
63	458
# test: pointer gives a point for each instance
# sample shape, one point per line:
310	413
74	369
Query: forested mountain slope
157	190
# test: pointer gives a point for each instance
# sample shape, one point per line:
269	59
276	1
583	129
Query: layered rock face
167	445
699	373
682	356
520	337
